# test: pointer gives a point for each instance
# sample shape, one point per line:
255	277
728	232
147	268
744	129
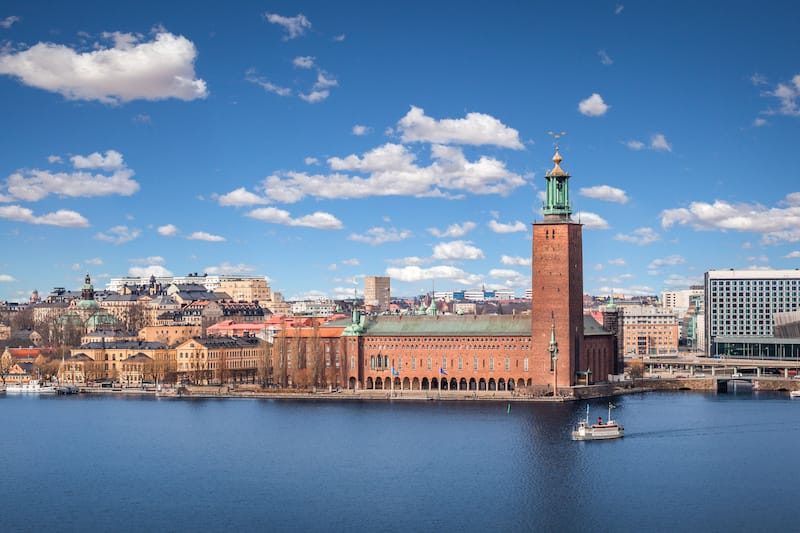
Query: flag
395	372
611	405
442	371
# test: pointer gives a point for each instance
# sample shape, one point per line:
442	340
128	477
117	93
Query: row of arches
443	383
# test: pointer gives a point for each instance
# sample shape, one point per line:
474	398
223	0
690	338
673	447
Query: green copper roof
557	202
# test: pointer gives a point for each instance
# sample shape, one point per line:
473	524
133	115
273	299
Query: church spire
557	205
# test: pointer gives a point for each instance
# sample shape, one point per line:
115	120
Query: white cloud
229	269
659	143
758	258
94	261
152	260
411	274
130	70
351	262
591	220
151	270
5	278
311	161
777	224
599	266
672	260
54	159
634	145
315	96
63	218
142	118
474	129
594	106
267	85
604	57
323	81
618	9
793	255
515	261
168	230
758	79
392	171
787	95
453	230
640	236
118	235
35	184
380	235
303	61
7	22
618	261
675	281
240	197
294	26
359	129
511	278
605	192
203	236
339	38
758	122
455	250
499	227
412	260
318	220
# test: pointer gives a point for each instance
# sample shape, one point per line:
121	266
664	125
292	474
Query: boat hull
605	432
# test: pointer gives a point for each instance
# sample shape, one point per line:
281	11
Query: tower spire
557	206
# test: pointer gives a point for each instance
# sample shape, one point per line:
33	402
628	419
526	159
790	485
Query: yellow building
221	360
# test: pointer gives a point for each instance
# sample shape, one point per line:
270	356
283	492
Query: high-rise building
377	292
557	287
739	309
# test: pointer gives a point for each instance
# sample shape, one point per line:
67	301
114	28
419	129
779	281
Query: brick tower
557	287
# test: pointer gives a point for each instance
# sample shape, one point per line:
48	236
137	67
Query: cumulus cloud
311	161
456	250
499	227
7	22
240	197
360	129
511	278
776	224
318	220
267	85
605	192
640	236
203	236
32	185
617	261
94	261
315	96
63	217
168	230
380	235
676	281
303	61
758	122
659	143
793	255
787	95
118	235
634	145
294	26
604	57
351	262
453	230
591	220
414	273
152	260
474	129
158	69
6	278
150	270
594	106
654	268
392	170
228	269
515	261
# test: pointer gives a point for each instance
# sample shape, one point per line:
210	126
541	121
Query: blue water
688	462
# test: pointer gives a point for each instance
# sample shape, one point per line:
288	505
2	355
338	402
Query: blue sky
318	142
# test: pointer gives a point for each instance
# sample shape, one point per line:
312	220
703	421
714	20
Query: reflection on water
688	462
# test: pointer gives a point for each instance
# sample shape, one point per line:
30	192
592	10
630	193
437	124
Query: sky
316	143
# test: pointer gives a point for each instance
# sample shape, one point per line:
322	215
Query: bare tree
22	319
6	364
281	354
135	317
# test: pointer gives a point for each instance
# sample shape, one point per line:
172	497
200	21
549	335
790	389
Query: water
688	462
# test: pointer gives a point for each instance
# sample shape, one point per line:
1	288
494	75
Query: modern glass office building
740	305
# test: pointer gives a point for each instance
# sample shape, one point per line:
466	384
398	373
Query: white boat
794	394
33	386
599	431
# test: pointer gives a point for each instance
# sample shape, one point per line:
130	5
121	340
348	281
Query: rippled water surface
688	462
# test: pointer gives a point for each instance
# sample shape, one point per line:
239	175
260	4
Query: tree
281	355
315	358
22	319
636	368
135	317
6	364
264	362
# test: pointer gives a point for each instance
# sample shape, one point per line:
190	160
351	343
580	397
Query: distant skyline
316	143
